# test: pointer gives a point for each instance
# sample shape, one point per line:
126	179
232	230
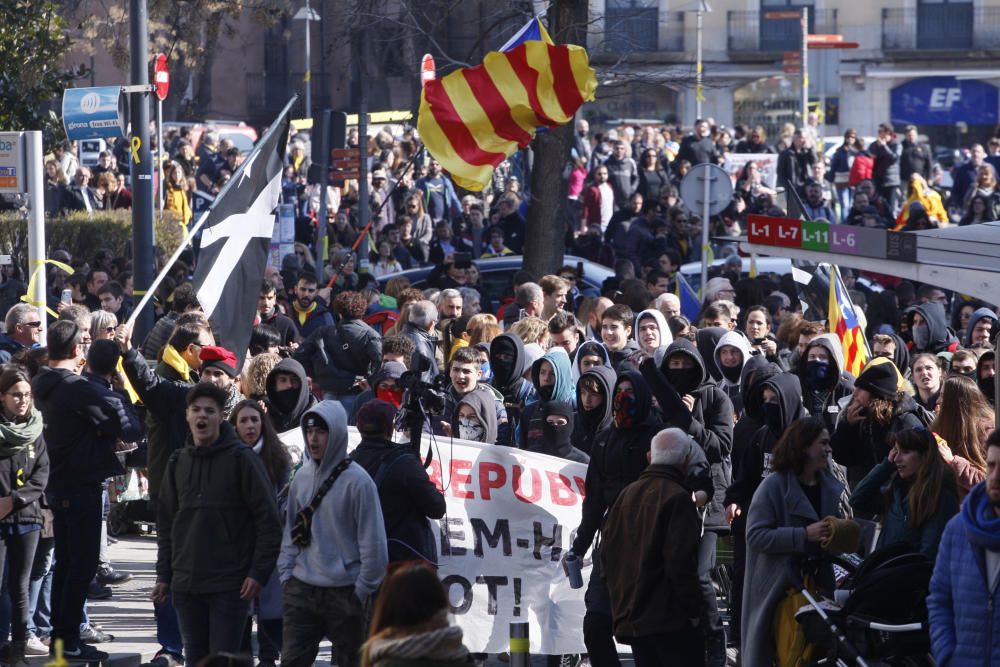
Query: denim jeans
210	623
40	589
77	523
312	613
17	551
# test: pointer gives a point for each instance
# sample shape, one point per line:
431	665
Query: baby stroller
878	616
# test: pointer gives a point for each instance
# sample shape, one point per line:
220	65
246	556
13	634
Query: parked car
242	135
777	265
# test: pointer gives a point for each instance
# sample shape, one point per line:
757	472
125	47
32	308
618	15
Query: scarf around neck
15	436
303	314
982	525
440	645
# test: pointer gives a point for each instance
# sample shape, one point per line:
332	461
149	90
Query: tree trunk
545	235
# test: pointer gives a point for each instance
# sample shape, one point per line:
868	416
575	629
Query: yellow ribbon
136	145
33	281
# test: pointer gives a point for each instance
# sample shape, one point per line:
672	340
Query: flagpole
854	309
151	290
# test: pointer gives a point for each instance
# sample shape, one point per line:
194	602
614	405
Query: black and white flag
236	240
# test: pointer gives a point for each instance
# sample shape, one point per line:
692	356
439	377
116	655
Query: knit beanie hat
880	380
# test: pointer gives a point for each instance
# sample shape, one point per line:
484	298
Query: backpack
861	169
382	320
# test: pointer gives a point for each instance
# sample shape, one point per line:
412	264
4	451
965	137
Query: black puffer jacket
407	495
710	422
334	356
616	460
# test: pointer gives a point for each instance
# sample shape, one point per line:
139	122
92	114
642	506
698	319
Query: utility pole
699	92
363	209
805	65
141	163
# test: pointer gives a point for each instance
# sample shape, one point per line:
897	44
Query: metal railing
752	32
939	27
637	30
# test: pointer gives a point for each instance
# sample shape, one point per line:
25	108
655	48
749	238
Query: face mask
546	392
921	336
624	409
558	437
731	374
471	429
772	417
816	373
684	380
503	370
286	399
394	396
987	387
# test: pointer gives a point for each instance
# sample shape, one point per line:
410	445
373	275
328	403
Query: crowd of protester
741	424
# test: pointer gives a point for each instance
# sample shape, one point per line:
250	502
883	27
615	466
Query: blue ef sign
94	113
944	100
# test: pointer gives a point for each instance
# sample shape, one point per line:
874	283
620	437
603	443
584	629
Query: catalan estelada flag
474	118
690	304
845	325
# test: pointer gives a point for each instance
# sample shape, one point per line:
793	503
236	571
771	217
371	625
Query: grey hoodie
348	546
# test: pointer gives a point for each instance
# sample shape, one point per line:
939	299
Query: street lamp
699	90
307	14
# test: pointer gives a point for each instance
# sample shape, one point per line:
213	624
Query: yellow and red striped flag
474	118
846	325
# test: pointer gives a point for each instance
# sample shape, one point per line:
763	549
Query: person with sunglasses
23	326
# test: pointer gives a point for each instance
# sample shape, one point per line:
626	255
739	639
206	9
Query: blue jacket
965	625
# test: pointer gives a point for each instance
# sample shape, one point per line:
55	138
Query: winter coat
158	336
617	459
217	518
795	167
23	476
710	422
589	423
286	328
886	170
776	547
821	396
8	348
508	379
307	323
407	496
334	356
83	421
623	177
963	607
649	556
426	345
867	498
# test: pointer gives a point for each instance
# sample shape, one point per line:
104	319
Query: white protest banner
766	162
510	515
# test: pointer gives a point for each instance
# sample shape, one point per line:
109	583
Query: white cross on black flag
236	240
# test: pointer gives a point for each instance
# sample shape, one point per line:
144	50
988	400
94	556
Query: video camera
421	398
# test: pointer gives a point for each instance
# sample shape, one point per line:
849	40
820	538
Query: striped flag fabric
474	118
236	240
846	325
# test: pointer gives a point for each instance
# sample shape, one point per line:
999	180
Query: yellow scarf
303	314
129	389
171	357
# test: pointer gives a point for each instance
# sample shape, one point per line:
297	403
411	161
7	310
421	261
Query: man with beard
964	586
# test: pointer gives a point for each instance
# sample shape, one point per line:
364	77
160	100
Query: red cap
219	357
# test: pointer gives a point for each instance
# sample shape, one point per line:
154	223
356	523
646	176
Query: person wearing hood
707	339
985	372
407	495
964	592
556	435
288	395
474	418
466	377
982	327
928	327
617	459
616	334
593	406
823	380
590	355
876	410
730	354
550	376
507	359
218	529
383	385
692	402
651	333
334	550
894	348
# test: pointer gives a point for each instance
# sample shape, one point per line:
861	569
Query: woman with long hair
422	229
785	526
176	195
912	492
24	472
256	431
410	621
964	421
652	176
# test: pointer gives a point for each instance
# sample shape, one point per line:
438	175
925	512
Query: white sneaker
34	646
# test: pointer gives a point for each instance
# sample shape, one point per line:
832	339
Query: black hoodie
217	518
986	384
508	379
708	339
755	462
940	337
617	459
589	424
709	422
755	372
284	419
